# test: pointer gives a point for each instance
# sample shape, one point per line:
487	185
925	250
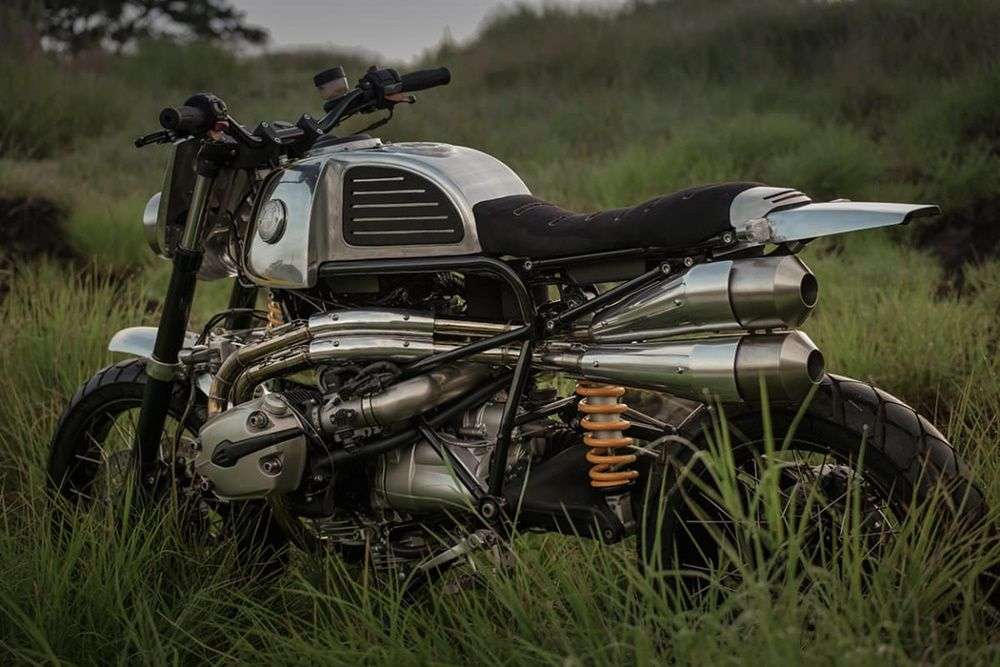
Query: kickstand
435	566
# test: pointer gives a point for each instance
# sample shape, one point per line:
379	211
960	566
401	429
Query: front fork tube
162	367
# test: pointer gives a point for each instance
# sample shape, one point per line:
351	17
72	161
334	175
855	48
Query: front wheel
855	456
91	463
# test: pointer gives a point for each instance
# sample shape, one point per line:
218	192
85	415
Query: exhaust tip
789	364
772	292
809	290
815	366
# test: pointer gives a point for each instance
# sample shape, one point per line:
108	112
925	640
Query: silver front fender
139	341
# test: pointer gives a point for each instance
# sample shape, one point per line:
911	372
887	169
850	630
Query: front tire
91	461
862	432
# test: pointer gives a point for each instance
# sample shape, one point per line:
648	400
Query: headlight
166	212
163	219
155	233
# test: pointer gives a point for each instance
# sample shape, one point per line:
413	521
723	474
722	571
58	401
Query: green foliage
110	229
195	66
44	107
78	26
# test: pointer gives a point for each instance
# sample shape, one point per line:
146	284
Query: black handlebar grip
186	120
424	79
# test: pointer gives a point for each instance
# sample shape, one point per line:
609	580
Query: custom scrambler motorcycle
405	396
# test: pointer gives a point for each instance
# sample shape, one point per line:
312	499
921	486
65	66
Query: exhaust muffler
746	294
730	368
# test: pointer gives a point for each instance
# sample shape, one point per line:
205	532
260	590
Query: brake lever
158	137
400	98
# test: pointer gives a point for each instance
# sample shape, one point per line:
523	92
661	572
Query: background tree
80	25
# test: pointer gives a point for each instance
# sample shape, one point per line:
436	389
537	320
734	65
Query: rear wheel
858	458
91	463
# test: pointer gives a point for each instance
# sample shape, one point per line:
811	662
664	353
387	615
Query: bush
45	106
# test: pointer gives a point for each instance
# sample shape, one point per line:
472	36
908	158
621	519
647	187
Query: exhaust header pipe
730	368
732	295
404	400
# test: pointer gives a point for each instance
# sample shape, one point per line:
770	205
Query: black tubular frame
242	300
529	334
567	317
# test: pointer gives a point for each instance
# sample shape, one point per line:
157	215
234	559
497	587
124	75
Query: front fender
139	342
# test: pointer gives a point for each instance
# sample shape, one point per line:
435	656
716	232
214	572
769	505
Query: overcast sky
397	29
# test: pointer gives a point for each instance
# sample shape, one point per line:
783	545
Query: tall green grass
871	99
121	590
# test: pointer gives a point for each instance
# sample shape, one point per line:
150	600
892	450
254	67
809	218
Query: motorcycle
402	397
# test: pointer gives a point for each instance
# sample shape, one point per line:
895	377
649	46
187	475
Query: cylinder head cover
253	450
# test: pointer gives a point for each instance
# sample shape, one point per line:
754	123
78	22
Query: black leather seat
525	226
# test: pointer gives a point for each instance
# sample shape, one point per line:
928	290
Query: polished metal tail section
781	215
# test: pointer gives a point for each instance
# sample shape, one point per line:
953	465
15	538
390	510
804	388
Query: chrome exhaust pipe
403	400
405	335
729	368
746	294
395	321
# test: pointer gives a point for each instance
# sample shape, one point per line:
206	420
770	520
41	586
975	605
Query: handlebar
186	120
377	90
424	79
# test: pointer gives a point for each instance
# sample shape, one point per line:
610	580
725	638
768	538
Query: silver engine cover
415	479
253	450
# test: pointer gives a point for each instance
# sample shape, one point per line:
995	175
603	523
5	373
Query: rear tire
90	458
903	454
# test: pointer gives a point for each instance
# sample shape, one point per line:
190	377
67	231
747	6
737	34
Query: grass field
872	99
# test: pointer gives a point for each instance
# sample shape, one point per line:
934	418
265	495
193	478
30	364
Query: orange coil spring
601	407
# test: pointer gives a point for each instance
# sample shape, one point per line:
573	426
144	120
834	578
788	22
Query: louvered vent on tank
389	206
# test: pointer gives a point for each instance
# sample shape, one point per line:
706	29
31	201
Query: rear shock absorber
275	317
603	426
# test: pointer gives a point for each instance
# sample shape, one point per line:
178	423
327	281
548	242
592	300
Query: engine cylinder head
254	450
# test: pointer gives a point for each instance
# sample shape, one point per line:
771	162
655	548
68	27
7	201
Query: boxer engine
260	448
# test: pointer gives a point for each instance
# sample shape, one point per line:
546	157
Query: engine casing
254	450
368	200
416	479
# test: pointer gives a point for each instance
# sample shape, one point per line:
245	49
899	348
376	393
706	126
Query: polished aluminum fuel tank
367	200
